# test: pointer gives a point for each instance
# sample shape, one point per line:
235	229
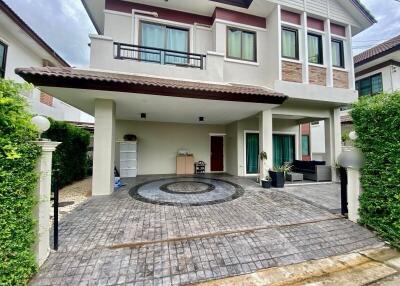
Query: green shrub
377	123
18	179
70	160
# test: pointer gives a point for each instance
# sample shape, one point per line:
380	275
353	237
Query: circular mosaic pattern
187	191
187	187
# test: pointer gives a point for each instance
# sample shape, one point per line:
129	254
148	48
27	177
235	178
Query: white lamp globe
41	123
353	135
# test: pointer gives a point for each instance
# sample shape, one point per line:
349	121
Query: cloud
388	15
63	24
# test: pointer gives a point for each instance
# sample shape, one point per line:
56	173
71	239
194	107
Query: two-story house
21	46
223	80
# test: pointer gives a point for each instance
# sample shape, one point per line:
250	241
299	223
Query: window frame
297	52
166	26
241	44
4	60
320	49
341	46
369	79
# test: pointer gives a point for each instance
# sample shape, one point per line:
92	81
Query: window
290	43
315	54
242	45
305	145
337	54
164	37
370	85
3	56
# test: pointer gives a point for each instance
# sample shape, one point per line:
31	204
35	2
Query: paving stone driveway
118	240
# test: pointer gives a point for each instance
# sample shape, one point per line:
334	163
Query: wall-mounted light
143	115
201	118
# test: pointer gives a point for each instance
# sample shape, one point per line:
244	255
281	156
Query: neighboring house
21	46
223	80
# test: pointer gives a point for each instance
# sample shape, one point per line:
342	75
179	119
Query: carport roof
134	83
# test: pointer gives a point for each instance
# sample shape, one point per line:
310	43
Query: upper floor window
315	51
242	45
370	85
3	56
337	54
164	37
290	43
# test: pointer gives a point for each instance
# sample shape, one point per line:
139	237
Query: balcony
160	56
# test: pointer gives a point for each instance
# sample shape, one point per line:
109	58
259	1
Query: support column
104	147
333	145
265	141
354	191
42	209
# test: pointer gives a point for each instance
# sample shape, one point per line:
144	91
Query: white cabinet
128	159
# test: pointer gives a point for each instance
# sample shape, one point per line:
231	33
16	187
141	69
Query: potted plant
266	182
278	175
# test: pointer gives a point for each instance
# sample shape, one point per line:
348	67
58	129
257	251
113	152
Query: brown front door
217	153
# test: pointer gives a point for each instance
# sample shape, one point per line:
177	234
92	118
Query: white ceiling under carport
158	108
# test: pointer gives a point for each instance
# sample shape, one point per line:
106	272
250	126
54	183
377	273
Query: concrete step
353	269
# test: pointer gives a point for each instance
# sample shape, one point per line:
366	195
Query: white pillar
303	53
104	147
354	191
265	141
333	143
42	209
328	45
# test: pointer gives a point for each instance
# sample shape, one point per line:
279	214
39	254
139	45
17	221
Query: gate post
42	209
354	191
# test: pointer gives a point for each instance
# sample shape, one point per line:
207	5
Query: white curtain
177	40
289	44
248	46
152	35
313	49
234	44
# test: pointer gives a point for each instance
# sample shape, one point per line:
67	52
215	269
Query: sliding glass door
283	148
164	37
252	147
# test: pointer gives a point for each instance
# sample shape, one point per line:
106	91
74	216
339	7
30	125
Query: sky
65	25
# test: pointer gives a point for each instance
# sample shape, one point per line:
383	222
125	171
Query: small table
294	176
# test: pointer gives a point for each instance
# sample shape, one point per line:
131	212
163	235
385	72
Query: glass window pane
337	54
248	46
234	43
376	84
365	86
177	40
305	145
152	35
289	44
2	51
314	49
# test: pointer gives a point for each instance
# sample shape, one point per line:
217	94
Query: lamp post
41	123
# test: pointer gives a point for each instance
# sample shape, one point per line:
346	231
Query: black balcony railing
160	56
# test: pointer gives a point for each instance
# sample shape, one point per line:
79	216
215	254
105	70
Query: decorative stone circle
186	191
187	187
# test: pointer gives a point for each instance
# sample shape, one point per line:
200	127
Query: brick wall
46	99
340	79
292	71
317	75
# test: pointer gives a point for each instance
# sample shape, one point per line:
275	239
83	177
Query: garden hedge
18	157
377	123
70	160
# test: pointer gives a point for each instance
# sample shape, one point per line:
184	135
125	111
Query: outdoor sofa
313	170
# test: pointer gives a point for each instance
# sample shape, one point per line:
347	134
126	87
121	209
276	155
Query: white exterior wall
21	55
158	143
124	27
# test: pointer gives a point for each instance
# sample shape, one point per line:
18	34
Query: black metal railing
160	56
